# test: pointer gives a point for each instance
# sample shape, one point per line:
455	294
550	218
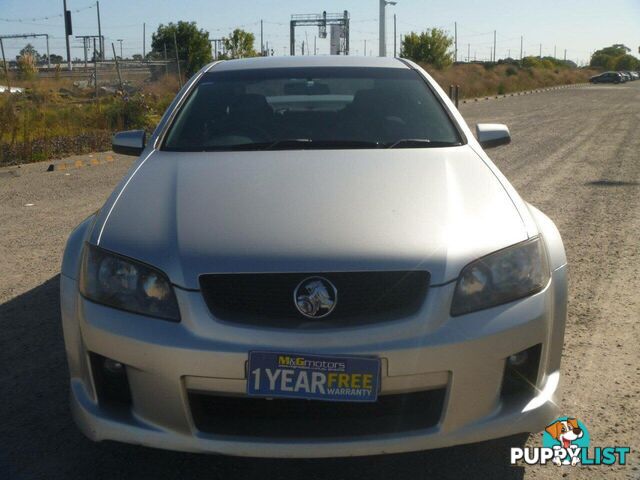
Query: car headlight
123	283
501	277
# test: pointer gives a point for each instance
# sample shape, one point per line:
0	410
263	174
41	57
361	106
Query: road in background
575	155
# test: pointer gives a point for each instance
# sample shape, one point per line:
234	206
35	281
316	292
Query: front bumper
165	361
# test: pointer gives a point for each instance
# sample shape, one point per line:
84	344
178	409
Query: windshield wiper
309	144
420	143
288	143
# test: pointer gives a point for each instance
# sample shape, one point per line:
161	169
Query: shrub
477	81
531	62
547	64
432	47
27	66
127	113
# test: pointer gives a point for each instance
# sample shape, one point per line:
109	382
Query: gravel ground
575	155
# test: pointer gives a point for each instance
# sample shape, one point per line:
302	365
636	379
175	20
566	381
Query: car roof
308	61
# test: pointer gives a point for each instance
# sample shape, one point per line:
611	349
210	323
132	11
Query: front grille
293	418
267	298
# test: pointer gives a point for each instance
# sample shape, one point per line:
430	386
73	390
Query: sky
580	27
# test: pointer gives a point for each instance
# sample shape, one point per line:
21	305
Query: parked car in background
607	77
632	75
625	77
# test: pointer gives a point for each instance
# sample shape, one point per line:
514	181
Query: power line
48	17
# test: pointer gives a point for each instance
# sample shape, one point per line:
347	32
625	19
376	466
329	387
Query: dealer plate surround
337	378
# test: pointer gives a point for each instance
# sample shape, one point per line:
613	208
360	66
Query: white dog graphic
566	432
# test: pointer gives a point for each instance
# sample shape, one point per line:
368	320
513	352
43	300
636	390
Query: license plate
314	377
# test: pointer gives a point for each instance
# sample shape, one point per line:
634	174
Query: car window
310	108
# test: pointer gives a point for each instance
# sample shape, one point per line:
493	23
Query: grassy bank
54	119
479	80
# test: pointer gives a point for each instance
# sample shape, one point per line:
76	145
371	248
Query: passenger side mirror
130	142
492	134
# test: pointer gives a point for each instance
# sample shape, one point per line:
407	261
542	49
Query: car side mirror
492	134
130	142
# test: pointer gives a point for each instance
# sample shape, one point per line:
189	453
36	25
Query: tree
55	59
627	62
615	50
194	49
608	58
432	47
239	44
29	50
603	61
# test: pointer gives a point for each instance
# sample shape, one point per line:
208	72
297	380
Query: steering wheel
256	134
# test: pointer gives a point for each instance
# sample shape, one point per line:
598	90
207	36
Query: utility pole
84	47
4	64
468	52
382	40
315	49
120	40
144	41
175	45
565	54
394	36
67	32
540	50
382	49
86	44
217	42
521	45
494	46
100	39
261	38
365	48
48	54
95	68
115	59
554	52
166	66
455	36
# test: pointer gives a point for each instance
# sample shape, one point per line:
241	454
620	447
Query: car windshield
311	108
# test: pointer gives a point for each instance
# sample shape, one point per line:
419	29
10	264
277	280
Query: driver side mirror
492	134
130	142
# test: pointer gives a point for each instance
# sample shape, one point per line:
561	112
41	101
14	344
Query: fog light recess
111	382
521	374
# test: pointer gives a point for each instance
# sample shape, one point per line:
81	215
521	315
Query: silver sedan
313	257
